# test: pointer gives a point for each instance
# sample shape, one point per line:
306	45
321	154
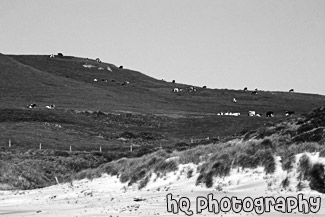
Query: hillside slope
145	110
65	81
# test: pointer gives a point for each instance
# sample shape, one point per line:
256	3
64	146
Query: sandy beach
106	196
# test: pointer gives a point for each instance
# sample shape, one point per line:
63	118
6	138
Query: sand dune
106	196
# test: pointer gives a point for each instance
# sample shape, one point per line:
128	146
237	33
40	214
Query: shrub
221	168
288	160
285	183
246	161
199	179
317	178
267	144
322	152
305	127
310	136
304	167
209	179
189	173
144	181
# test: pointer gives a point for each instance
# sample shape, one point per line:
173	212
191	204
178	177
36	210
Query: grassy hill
90	114
106	114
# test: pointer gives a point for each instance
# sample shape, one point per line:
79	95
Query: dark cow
191	89
254	92
173	81
204	87
288	113
112	80
269	114
98	60
33	105
291	90
125	83
60	54
245	89
121	67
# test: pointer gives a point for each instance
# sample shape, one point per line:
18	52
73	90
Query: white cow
50	106
251	113
176	90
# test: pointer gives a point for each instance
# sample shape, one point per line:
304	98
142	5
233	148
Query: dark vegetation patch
317	178
315	135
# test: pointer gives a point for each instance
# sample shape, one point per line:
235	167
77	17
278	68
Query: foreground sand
106	196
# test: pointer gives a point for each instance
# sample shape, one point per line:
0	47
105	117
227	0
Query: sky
271	45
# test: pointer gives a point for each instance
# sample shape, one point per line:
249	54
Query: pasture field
112	116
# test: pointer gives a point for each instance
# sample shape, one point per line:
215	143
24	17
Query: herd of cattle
33	105
189	89
254	114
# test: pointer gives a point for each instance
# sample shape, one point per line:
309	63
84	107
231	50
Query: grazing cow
176	90
234	100
60	54
100	68
236	114
52	56
95	80
33	105
125	83
173	81
89	66
254	92
50	106
204	87
245	89
112	80
288	113
269	114
256	89
251	113
121	67
258	115
192	89
98	60
291	90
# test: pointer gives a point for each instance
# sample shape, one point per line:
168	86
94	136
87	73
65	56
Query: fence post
131	148
57	181
100	148
70	148
40	146
9	143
